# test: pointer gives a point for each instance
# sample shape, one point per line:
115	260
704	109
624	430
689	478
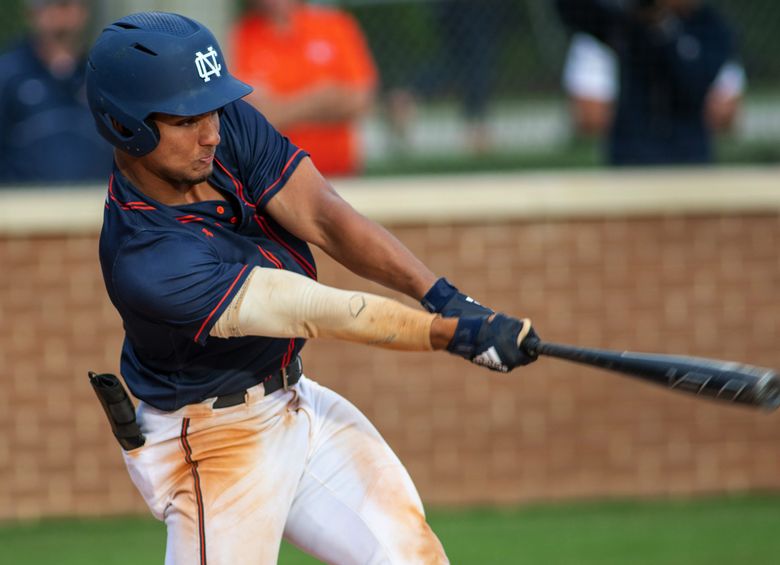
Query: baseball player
205	255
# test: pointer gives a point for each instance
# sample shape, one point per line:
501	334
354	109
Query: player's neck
165	190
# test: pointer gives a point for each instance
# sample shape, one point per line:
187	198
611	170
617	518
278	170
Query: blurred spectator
313	74
465	63
47	134
669	53
590	79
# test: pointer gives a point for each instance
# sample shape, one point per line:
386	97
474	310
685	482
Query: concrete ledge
465	198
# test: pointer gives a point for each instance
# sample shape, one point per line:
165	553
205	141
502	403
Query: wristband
439	294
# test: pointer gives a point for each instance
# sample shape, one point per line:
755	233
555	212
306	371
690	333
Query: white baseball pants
303	463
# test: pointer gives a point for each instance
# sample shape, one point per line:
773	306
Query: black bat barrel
722	380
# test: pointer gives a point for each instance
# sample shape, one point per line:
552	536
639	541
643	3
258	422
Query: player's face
185	154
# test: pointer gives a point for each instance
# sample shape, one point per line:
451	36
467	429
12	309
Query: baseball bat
722	380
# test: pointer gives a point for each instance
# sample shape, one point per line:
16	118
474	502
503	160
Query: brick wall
703	285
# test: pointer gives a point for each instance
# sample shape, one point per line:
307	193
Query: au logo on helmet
207	65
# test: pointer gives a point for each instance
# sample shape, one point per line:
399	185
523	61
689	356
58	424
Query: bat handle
532	345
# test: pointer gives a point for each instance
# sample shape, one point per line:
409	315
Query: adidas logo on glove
490	358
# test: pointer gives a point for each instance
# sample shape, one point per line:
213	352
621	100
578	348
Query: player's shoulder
242	126
238	112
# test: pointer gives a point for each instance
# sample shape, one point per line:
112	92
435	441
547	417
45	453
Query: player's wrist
444	298
442	332
438	295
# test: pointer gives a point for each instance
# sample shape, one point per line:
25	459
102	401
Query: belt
283	378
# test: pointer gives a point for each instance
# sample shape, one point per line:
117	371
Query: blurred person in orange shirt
313	74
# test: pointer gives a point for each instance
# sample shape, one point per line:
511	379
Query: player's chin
200	178
201	173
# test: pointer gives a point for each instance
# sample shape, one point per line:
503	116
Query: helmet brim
203	101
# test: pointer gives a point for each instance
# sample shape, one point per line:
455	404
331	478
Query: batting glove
443	298
498	342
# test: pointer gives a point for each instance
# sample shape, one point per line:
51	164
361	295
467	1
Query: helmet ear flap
122	132
136	138
152	125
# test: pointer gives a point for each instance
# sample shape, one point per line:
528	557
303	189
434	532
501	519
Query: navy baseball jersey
172	270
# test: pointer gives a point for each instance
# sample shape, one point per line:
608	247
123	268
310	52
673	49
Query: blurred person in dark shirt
47	134
469	35
669	53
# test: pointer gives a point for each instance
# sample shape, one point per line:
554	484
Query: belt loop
284	378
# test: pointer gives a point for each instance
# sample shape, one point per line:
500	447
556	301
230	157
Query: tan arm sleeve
277	303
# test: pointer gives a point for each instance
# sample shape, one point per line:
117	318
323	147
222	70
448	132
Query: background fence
446	65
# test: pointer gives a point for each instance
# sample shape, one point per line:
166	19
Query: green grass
577	155
581	154
727	531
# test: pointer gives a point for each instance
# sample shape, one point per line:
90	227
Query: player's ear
120	129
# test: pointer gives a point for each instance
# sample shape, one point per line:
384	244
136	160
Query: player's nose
209	130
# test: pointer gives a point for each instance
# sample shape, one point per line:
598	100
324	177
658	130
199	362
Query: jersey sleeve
264	156
177	280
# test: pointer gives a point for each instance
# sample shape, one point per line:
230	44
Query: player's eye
192	120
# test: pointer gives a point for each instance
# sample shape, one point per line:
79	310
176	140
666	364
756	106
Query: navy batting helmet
155	62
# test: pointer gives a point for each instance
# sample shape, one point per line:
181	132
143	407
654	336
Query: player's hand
443	298
498	342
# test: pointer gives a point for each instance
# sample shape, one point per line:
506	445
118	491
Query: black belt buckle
285	378
292	372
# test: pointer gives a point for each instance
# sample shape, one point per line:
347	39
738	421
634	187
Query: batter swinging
205	255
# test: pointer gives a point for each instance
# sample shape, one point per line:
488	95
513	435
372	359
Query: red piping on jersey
271	257
206	321
135	205
284	170
236	183
288	355
185	444
305	265
189	219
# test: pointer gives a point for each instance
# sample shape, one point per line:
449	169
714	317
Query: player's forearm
276	303
380	257
313	211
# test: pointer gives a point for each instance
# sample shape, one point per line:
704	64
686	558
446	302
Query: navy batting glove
492	341
443	298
